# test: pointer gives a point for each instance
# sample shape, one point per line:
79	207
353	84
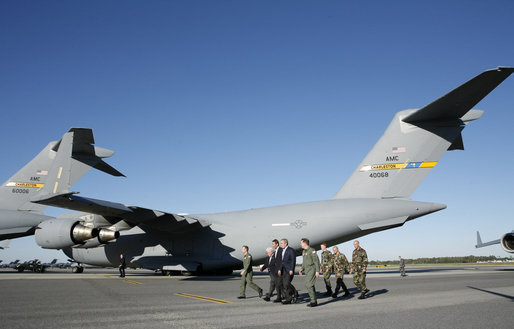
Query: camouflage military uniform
326	268
359	263
247	277
310	266
340	265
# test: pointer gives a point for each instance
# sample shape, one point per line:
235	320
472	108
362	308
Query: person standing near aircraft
287	272
326	267
402	267
359	265
122	266
278	265
311	267
247	274
273	272
340	265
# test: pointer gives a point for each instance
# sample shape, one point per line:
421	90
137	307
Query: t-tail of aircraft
416	139
60	164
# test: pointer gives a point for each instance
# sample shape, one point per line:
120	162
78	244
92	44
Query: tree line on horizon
444	260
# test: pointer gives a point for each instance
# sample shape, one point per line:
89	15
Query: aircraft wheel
20	269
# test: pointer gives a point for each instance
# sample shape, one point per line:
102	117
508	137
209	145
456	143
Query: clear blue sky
227	105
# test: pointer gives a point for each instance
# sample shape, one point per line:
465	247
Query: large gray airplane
67	159
506	241
376	197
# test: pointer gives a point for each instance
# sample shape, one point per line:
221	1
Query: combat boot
362	296
334	295
329	291
346	292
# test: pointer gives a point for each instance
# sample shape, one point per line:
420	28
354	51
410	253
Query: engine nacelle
104	236
507	242
62	233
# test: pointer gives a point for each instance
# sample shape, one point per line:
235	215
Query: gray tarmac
429	297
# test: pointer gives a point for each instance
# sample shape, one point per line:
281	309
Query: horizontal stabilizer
84	151
459	101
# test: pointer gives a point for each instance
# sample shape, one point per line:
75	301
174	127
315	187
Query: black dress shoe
286	302
312	304
267	299
346	293
334	295
241	297
277	301
260	293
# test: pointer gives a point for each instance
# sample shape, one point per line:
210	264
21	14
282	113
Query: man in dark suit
278	265
287	272
273	272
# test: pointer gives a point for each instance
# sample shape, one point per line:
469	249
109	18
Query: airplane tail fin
416	139
479	241
63	162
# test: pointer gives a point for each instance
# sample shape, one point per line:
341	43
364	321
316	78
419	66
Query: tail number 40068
379	175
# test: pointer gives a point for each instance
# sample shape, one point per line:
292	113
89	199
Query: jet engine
507	242
104	236
62	233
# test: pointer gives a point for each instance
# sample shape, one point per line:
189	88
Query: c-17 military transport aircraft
374	198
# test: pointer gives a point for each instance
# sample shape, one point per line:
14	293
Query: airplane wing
480	244
132	215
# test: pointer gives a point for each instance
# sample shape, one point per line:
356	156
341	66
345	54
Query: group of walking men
281	263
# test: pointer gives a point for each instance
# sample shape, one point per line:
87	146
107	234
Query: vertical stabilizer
59	165
416	139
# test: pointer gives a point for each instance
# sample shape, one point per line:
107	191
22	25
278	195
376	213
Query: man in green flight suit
359	265
326	267
311	268
247	275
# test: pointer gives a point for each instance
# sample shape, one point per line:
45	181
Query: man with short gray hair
270	264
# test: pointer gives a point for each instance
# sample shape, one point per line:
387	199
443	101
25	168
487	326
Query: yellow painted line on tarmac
133	282
207	299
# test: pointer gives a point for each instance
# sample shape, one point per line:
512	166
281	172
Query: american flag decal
42	172
399	149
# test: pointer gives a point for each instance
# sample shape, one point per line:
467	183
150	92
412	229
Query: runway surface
434	297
